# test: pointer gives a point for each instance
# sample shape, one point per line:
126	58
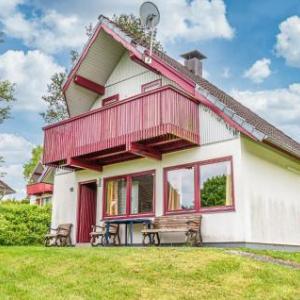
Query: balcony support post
83	165
144	151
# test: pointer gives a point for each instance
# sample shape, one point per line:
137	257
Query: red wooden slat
39	188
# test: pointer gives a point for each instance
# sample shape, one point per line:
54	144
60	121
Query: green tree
28	168
55	100
132	25
6	98
213	192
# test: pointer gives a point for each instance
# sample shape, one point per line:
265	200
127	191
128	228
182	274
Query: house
5	190
40	186
156	138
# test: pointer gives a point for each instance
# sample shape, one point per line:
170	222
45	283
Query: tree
213	192
55	99
133	26
6	98
28	168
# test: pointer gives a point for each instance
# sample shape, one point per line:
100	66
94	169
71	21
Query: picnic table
128	224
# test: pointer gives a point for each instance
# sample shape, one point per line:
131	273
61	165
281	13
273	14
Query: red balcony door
86	216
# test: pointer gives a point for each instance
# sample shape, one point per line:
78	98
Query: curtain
112	198
228	186
173	198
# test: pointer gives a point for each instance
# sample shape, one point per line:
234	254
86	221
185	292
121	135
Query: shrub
23	224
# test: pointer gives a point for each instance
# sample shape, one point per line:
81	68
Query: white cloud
31	72
288	41
259	71
50	32
280	107
226	73
16	150
61	25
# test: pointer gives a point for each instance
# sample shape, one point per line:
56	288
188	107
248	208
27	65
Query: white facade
266	183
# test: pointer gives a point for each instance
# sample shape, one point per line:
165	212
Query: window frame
110	100
152	85
128	178
197	191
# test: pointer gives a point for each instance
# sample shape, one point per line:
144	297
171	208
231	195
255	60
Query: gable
127	80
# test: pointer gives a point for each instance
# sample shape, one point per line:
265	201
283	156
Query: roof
5	188
267	132
273	135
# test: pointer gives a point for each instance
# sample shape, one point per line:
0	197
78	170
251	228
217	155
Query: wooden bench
98	235
60	237
190	224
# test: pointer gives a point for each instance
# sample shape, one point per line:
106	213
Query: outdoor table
127	222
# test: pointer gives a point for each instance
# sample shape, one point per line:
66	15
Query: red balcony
39	188
146	125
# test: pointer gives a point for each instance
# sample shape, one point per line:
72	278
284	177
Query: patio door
86	216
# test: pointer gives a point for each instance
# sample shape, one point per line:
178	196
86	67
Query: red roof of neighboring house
270	134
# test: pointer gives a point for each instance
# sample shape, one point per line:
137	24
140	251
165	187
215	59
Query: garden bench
60	237
190	224
99	237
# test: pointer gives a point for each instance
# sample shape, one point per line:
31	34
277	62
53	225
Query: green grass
140	273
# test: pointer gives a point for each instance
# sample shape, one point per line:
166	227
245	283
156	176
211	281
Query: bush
23	224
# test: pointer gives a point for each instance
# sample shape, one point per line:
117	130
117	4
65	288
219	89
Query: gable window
110	100
201	186
151	85
129	195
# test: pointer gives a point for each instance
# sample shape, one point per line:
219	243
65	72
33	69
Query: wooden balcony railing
159	113
39	188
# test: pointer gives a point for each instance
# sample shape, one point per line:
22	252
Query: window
180	189
110	100
216	184
202	186
141	194
129	195
116	197
151	85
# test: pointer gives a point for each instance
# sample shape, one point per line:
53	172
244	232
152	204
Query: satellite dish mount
149	15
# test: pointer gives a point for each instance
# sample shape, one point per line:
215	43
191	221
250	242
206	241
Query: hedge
23	224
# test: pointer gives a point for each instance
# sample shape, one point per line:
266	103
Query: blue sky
253	50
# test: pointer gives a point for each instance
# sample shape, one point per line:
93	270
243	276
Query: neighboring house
5	190
155	139
40	186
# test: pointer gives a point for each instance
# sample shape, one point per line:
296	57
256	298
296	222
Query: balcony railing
39	188
159	116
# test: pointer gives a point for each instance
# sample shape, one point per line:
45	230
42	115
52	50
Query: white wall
272	195
217	227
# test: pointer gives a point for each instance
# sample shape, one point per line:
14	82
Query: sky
252	49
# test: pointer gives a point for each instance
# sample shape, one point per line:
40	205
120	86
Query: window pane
216	184
142	194
116	197
180	189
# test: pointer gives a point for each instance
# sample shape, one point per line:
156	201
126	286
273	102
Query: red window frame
149	86
128	177
197	196
110	100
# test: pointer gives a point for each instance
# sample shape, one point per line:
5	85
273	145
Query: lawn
140	273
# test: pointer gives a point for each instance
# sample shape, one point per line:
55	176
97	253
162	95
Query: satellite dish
149	15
